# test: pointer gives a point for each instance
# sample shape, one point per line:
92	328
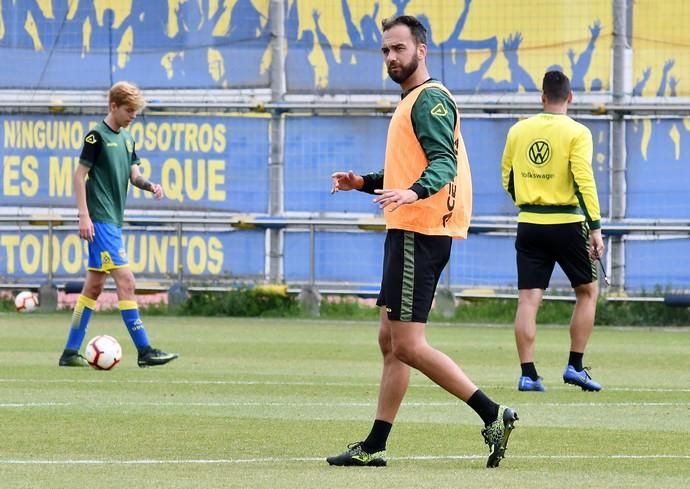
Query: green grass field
260	403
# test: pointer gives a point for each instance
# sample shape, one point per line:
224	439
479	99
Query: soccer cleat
496	435
72	358
580	379
150	357
355	456
527	384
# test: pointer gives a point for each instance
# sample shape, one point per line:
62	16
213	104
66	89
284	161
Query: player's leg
534	268
129	310
395	378
529	301
115	262
582	272
422	259
83	309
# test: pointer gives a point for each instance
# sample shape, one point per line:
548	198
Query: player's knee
127	287
587	292
406	353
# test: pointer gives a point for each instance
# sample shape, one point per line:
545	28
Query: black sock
575	360
529	370
376	441
483	406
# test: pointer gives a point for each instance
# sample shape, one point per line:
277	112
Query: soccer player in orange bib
425	191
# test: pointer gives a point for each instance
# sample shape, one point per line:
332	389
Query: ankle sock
376	441
575	359
483	406
529	370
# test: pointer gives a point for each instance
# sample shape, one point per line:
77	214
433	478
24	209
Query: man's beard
405	71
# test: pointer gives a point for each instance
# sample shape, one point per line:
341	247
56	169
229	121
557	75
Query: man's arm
434	116
79	183
507	167
139	181
583	175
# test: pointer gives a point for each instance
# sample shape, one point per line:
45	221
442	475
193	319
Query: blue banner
658	265
318	146
203	162
658	175
473	47
204	255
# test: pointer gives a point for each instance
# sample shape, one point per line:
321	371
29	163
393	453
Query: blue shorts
106	251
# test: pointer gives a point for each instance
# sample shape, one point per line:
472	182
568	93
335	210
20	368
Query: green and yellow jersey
547	170
109	156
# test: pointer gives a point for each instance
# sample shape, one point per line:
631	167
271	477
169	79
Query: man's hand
86	230
346	181
596	244
394	198
157	190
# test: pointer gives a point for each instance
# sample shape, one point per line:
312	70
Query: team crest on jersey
439	110
91	139
539	152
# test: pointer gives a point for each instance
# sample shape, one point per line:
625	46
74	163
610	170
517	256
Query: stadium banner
210	163
318	146
204	255
660	43
473	47
658	175
479	261
658	265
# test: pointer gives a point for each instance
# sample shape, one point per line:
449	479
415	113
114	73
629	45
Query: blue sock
135	326
80	321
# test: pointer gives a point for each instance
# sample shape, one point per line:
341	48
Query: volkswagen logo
539	152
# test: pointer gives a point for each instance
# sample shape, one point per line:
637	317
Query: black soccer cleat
496	435
355	456
150	357
72	358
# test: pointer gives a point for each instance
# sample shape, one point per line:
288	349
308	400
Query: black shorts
412	265
540	246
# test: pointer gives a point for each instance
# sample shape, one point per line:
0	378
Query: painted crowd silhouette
204	44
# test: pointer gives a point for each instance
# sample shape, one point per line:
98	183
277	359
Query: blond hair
126	93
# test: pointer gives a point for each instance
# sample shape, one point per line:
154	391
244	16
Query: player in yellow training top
425	191
547	170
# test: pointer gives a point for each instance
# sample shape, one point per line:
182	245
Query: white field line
333	404
272	460
294	383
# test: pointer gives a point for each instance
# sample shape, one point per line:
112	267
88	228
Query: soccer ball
26	301
103	352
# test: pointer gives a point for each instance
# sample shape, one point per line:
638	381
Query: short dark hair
416	27
556	86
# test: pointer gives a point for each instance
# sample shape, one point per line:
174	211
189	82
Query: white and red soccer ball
26	301
103	352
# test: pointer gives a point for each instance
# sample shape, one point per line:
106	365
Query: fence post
47	292
178	293
309	295
622	87
276	166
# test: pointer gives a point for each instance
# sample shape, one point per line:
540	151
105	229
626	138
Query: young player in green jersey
110	161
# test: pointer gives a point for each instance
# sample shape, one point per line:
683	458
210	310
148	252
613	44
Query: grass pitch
260	403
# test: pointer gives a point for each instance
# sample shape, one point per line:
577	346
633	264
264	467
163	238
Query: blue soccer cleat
527	384
580	378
